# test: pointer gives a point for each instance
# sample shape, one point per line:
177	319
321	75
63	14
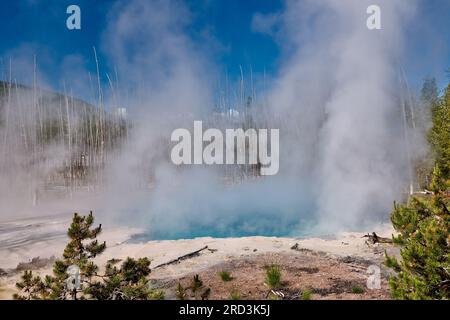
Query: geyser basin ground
45	237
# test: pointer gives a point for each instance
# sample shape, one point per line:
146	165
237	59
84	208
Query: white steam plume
339	86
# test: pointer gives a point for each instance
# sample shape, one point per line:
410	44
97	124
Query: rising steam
342	153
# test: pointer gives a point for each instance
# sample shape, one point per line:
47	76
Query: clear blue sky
41	24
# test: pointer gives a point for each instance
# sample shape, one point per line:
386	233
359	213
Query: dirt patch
323	277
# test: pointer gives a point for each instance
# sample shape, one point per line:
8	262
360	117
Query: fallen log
374	238
181	258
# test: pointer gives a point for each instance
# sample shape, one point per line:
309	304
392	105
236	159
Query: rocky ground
323	277
328	268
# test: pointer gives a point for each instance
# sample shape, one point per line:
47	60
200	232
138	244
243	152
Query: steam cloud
334	100
339	88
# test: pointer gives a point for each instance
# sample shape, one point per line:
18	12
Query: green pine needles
424	222
424	226
127	282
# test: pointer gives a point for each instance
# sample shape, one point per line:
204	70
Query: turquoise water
274	207
267	227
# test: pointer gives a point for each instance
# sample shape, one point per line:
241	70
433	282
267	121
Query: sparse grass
157	295
306	295
357	290
225	276
273	276
180	292
235	295
206	293
196	283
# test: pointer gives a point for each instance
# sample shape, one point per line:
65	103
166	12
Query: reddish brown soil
325	277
